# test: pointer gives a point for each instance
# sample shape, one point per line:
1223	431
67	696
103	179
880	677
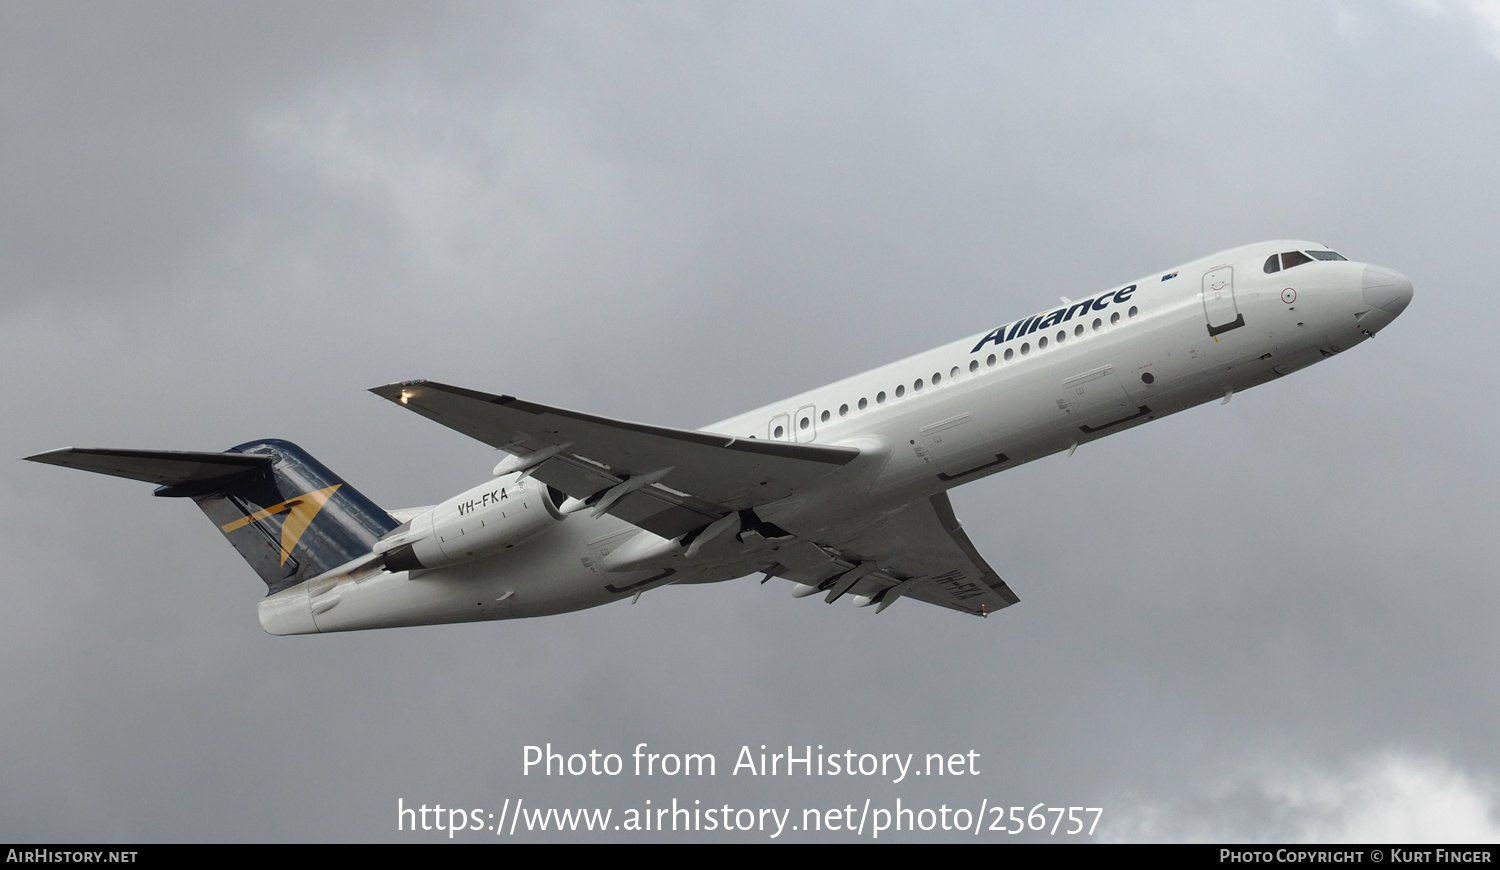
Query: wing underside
918	551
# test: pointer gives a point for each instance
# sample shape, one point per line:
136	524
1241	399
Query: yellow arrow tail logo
301	511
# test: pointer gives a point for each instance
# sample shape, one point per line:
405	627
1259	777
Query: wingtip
412	389
395	392
49	457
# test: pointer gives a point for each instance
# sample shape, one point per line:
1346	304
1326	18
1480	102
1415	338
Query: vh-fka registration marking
492	497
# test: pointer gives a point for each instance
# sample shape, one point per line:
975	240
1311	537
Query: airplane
841	490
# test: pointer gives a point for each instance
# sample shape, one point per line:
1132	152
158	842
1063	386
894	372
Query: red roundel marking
1289	296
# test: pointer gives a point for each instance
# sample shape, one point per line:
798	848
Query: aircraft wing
666	481
919	551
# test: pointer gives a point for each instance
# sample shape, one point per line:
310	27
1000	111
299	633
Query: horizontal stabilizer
165	467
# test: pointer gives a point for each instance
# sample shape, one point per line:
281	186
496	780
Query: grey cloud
218	225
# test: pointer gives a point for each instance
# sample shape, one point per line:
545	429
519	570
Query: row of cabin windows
953	373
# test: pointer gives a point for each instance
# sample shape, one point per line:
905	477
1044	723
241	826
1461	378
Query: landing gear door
1219	307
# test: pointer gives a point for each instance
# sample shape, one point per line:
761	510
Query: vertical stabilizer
292	519
284	511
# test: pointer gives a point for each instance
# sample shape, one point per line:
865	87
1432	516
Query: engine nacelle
491	517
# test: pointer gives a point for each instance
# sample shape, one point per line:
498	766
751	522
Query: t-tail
284	511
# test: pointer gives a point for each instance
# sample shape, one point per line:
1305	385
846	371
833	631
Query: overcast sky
1271	620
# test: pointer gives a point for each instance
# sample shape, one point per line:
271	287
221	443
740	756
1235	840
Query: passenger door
1219	307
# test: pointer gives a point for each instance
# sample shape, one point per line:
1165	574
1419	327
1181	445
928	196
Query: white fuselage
1072	373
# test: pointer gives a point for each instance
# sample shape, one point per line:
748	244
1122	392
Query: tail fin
284	511
294	519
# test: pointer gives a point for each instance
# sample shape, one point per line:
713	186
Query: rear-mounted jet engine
489	518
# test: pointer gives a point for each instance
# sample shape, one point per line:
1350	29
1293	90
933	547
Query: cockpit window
1325	255
1294	258
1273	263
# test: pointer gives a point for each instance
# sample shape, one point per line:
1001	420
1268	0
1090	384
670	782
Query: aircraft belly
547	576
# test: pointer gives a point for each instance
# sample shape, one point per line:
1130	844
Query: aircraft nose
1386	289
